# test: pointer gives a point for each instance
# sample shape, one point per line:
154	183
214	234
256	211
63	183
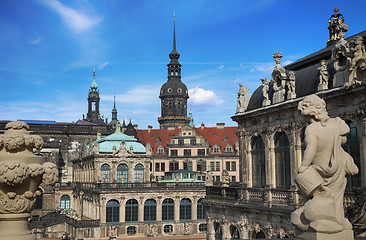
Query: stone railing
262	196
53	218
138	186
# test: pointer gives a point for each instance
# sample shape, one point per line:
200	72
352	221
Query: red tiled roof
211	134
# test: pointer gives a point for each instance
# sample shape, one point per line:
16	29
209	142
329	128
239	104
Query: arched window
65	202
132	210
282	153
150	210
39	200
234	232
201	210
352	146
185	209
139	173
218	231
122	173
112	211
106	173
258	163
168	210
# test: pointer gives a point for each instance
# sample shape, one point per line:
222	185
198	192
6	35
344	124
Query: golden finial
94	70
336	10
174	16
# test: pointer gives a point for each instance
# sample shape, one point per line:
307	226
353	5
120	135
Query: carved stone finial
337	27
279	78
21	172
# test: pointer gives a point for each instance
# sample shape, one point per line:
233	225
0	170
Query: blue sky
50	47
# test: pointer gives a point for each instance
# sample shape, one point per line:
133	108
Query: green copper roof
106	144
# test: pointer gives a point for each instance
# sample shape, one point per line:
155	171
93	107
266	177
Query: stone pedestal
322	87
291	96
15	227
344	235
266	103
340	78
278	96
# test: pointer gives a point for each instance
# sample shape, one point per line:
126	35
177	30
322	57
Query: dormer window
160	150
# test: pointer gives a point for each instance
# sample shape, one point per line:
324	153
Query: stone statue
148	149
341	56
265	88
122	151
225	178
243	98
21	173
291	94
322	175
209	181
358	63
323	75
278	79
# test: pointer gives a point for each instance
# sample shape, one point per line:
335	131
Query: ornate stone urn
21	173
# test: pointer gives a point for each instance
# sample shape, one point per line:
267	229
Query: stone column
131	173
141	210
176	209
122	208
103	210
194	209
159	209
210	229
21	173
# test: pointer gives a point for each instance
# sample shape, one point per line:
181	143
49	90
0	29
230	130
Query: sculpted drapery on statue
322	174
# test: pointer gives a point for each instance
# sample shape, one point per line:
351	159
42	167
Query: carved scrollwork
15	203
50	175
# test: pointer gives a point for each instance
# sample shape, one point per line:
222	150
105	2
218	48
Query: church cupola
173	93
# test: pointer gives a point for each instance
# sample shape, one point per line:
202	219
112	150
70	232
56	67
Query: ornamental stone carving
21	173
291	94
357	69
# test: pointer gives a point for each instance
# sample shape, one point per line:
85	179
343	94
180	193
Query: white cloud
221	67
76	21
140	95
38	40
202	99
287	62
103	65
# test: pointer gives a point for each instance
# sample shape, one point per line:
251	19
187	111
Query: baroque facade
271	136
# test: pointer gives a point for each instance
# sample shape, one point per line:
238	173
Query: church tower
114	121
93	114
173	94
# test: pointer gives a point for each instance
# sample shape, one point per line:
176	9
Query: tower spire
174	46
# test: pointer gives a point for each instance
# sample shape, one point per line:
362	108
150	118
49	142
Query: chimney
220	125
149	128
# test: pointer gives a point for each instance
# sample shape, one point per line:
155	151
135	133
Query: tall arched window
234	232
282	154
65	202
168	209
201	210
352	146
132	210
150	210
39	200
122	173
218	231
105	169
258	163
139	173
185	209
112	211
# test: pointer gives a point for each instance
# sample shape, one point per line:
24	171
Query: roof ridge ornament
337	27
